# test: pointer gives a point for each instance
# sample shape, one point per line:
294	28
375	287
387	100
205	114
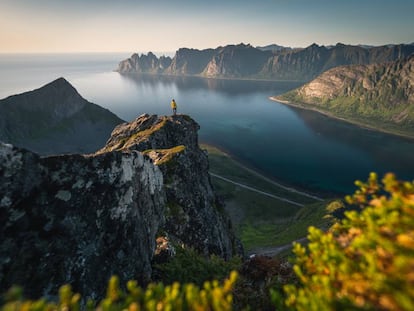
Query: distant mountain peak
60	83
55	118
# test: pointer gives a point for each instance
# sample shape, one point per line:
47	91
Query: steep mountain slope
378	95
55	119
272	62
236	61
79	219
189	61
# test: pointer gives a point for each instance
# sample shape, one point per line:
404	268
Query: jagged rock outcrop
144	64
194	215
379	93
55	119
77	219
274	48
274	62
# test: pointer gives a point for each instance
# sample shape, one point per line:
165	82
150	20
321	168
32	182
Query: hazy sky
166	25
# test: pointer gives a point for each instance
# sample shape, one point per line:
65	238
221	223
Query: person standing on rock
174	106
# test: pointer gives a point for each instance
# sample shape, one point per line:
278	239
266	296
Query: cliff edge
194	215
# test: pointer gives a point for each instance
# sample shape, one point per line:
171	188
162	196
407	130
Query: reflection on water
384	148
225	86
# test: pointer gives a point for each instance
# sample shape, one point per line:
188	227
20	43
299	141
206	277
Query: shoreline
333	116
204	77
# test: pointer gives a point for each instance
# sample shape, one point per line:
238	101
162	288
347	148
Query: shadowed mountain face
273	62
55	119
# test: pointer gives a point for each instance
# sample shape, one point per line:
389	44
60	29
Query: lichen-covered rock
77	219
194	215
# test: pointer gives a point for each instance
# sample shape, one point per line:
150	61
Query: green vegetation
380	96
287	230
156	297
365	261
188	266
260	220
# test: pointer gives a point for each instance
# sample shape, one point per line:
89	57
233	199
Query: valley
262	221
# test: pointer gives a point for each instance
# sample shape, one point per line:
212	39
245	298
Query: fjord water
298	147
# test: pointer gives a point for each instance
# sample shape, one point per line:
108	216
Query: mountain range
55	119
270	62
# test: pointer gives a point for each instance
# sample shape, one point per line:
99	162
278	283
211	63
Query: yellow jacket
173	104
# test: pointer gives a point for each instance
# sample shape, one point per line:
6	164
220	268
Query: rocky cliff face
236	61
55	119
194	215
245	61
382	92
189	61
79	219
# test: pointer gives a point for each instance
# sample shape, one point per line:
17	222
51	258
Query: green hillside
379	96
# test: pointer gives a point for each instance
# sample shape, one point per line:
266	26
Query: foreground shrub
156	297
365	261
188	266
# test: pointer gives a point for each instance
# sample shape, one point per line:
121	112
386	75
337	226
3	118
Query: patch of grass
163	156
285	230
260	220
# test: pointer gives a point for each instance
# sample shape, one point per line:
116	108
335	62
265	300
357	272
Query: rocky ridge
55	119
79	219
194	215
245	61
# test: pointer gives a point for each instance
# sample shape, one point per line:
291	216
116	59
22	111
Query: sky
66	26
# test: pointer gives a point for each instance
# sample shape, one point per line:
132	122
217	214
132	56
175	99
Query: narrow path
275	250
280	185
256	190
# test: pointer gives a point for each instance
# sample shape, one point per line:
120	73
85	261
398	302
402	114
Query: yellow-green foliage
156	297
161	156
366	261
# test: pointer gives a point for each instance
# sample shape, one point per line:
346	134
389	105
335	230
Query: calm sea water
298	147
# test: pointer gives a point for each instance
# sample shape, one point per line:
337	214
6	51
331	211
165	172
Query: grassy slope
259	220
377	96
